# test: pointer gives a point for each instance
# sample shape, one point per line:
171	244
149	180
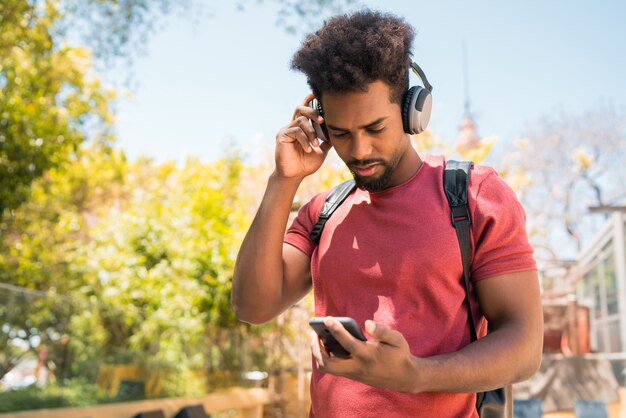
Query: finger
305	124
308	98
340	366
308	112
347	341
316	350
384	334
304	108
296	134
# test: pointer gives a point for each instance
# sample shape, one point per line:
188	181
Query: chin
373	185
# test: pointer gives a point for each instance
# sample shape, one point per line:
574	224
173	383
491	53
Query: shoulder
298	233
487	185
481	176
311	209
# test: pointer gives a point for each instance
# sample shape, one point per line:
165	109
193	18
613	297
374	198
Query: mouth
365	170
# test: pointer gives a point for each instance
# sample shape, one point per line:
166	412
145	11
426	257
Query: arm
510	352
270	276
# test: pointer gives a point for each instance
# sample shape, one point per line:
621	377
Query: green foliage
48	96
37	241
74	393
160	262
144	251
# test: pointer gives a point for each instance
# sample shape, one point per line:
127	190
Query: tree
125	259
49	96
37	246
120	28
567	164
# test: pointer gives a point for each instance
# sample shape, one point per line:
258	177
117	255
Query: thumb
383	333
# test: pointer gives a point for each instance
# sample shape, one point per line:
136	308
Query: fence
238	402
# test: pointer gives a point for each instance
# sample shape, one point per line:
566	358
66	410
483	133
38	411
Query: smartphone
330	343
319	130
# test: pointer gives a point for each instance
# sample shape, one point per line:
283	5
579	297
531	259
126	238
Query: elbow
535	361
239	309
242	310
536	350
531	366
251	316
253	319
532	363
252	306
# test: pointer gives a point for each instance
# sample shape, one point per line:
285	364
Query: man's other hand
383	361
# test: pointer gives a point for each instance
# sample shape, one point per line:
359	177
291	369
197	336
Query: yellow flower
582	159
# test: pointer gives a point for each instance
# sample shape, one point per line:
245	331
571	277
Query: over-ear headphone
416	106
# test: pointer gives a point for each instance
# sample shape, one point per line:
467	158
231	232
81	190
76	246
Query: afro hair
351	51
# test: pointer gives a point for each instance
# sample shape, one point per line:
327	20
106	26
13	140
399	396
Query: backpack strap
456	176
334	199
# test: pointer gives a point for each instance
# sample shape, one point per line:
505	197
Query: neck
408	165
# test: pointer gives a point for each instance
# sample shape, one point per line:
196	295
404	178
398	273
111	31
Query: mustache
363	163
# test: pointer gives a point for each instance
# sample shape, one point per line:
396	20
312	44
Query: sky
208	82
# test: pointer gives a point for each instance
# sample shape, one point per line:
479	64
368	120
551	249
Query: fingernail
370	326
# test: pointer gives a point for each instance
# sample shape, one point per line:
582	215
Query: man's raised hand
299	152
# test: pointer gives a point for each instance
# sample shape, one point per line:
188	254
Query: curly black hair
351	51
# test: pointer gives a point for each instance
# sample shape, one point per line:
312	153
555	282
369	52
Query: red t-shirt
393	257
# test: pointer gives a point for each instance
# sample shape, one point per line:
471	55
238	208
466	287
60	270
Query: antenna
468	113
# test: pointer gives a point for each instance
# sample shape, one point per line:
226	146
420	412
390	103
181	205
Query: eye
340	134
376	130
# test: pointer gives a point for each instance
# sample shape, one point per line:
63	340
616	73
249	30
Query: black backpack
456	176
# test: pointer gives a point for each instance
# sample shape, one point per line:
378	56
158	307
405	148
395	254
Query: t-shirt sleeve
297	234
501	243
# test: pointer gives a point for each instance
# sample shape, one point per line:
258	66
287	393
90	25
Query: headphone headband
420	73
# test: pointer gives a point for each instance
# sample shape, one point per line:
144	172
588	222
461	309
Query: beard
375	184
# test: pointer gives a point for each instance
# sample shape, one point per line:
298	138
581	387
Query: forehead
357	107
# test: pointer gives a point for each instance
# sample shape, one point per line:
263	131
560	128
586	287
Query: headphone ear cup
416	109
406	109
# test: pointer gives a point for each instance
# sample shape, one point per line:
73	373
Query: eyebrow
369	125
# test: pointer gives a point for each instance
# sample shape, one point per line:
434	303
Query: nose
361	147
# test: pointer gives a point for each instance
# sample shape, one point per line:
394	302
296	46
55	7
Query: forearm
509	354
257	288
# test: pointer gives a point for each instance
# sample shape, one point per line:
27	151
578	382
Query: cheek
392	143
341	149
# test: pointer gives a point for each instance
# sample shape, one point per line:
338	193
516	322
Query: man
389	256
